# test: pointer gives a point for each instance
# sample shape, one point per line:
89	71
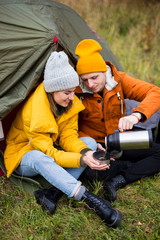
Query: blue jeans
36	162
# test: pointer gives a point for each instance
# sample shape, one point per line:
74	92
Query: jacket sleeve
69	138
43	142
146	93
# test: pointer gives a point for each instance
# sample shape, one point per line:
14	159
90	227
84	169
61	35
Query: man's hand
92	163
126	123
99	147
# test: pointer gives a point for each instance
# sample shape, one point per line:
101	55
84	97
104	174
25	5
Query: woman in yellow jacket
47	122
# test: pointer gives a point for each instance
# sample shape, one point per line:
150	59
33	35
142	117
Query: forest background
132	29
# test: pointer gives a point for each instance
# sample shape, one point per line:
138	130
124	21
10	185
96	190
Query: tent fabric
28	28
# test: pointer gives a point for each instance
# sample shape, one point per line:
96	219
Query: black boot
110	187
48	198
103	208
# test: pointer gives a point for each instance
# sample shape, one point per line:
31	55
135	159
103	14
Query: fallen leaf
140	224
29	229
148	229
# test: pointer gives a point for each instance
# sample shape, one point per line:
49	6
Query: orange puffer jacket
101	115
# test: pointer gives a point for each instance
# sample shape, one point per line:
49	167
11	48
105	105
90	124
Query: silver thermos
141	139
118	141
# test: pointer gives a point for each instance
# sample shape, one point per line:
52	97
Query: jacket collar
42	119
110	81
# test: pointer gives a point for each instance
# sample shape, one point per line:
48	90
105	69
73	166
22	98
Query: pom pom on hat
90	59
59	75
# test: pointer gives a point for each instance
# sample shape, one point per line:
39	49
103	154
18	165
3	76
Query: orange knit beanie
90	59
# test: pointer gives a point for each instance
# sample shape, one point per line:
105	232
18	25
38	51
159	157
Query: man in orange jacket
103	91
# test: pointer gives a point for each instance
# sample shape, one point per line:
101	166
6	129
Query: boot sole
117	221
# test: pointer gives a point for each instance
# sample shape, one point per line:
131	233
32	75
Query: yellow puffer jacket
36	128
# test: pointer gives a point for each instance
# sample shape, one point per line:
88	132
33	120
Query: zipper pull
119	98
118	95
81	98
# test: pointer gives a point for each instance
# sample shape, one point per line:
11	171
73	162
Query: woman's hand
126	123
92	163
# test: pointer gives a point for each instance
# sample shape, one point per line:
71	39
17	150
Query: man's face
94	81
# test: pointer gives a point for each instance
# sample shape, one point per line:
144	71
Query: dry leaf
148	229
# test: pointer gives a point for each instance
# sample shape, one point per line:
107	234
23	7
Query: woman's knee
90	142
35	157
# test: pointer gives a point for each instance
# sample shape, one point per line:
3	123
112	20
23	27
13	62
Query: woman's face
64	97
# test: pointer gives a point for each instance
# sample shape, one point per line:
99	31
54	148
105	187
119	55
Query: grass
21	218
132	30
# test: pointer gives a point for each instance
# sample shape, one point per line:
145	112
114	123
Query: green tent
28	33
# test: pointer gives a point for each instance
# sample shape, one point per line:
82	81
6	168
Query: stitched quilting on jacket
102	113
35	128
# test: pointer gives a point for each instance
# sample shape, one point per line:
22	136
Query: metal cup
102	157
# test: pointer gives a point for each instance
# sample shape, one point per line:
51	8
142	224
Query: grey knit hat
59	74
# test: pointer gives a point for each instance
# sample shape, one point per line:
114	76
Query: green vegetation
132	30
22	219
